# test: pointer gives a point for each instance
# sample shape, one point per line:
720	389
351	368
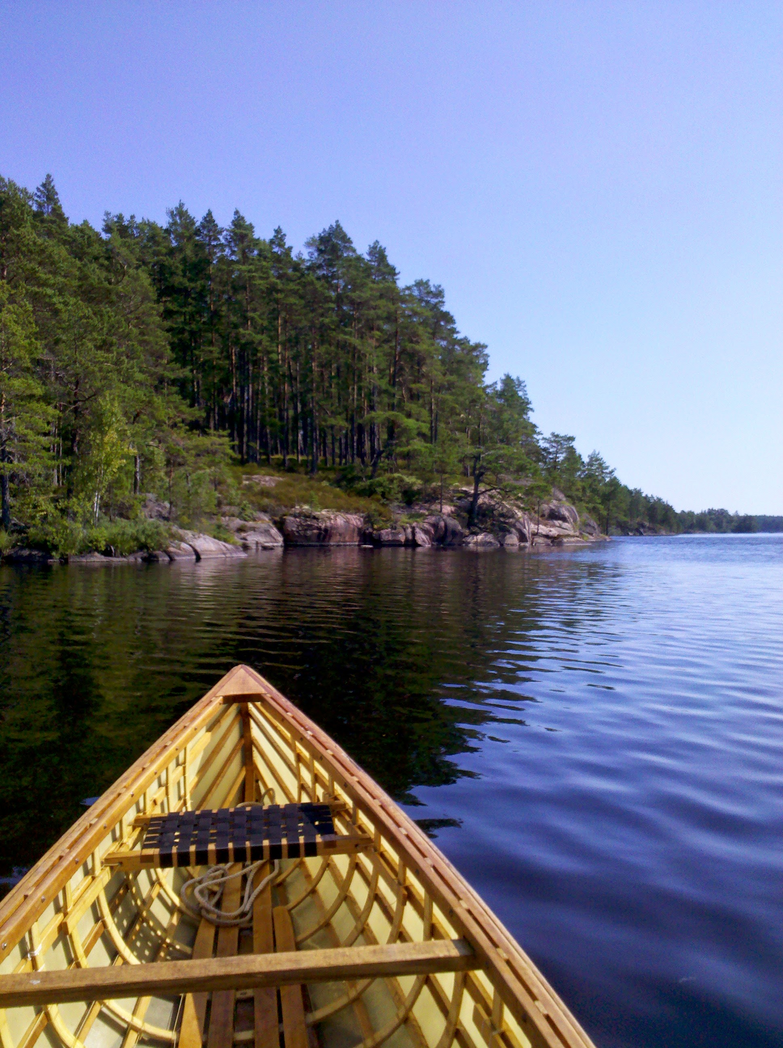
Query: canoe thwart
246	971
241	834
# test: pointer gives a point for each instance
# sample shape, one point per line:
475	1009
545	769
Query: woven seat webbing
201	838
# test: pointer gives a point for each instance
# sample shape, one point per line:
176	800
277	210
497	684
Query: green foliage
152	358
62	536
291	490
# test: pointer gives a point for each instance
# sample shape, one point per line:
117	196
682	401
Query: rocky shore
505	526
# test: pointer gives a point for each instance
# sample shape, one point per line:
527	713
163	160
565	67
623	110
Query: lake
594	737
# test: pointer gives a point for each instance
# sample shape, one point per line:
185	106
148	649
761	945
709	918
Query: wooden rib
360	1011
195	1004
153	923
359	988
218	746
250	781
311	886
142	1004
80	952
217	782
28	899
265	1024
328	913
282	785
221	1018
364	915
291	998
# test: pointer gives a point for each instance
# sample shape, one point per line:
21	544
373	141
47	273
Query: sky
597	186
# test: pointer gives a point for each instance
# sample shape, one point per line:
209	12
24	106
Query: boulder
181	551
207	548
325	528
481	541
158	556
419	537
509	540
443	530
560	511
258	533
394	536
29	556
92	558
261	535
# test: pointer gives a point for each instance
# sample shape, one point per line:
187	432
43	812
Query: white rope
208	890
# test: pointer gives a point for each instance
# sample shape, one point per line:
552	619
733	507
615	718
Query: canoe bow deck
362	934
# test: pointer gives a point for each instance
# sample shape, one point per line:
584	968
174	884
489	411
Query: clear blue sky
597	186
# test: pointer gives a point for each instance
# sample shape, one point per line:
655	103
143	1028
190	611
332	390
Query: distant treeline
721	521
149	358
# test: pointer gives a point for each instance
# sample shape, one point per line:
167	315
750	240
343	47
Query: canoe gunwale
520	985
517	982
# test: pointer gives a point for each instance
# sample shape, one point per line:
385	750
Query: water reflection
96	662
594	737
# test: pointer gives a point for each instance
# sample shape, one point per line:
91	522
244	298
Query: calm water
595	737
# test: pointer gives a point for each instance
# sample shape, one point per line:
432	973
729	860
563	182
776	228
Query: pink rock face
419	537
482	541
322	529
443	530
207	548
261	536
560	511
390	537
180	551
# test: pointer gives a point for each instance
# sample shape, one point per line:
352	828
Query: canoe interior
245	743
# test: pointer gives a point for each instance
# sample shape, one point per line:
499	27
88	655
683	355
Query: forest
148	359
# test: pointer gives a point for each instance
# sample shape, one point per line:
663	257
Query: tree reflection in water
385	650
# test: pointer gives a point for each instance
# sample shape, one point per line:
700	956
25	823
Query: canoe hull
80	910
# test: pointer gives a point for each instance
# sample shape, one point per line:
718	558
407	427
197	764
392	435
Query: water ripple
595	737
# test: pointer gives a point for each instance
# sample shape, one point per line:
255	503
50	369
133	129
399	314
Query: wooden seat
241	834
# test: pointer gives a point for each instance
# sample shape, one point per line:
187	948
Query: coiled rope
208	888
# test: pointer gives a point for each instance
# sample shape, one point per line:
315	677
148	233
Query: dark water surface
595	736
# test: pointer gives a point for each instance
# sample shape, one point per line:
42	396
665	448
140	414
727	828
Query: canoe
246	883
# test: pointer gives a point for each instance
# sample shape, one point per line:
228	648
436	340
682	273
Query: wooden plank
132	859
221	1017
249	971
267	1031
291	999
239	697
195	1005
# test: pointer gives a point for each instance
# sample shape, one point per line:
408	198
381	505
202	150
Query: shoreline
505	527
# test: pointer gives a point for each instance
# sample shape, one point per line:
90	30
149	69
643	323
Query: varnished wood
285	968
205	757
133	859
291	1000
195	1005
221	1017
265	1026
